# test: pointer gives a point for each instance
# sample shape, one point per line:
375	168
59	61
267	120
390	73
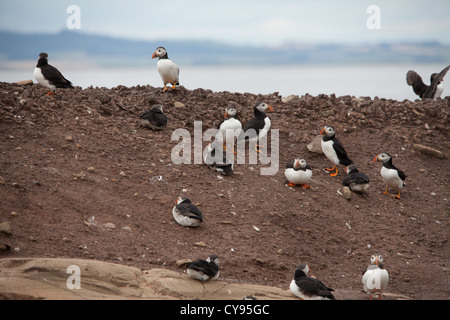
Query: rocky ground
80	178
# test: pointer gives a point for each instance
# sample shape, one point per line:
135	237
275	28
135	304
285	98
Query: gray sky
261	22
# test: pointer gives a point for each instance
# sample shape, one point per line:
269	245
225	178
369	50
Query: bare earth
80	178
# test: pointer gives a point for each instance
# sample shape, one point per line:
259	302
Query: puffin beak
375	159
269	109
322	131
226	114
154	55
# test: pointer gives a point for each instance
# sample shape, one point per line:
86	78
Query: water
382	80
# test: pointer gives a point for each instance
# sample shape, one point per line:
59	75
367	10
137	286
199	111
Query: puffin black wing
290	164
311	286
190	210
429	93
55	77
257	124
356	177
208	268
341	153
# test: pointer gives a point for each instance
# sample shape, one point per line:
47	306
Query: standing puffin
375	278
394	177
298	172
168	70
258	126
434	90
355	180
333	150
308	288
204	270
230	127
48	76
186	213
216	158
154	118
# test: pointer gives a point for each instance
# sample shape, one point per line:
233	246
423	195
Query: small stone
200	244
109	226
127	229
122	174
91	169
13	213
346	192
69	138
5	227
178	104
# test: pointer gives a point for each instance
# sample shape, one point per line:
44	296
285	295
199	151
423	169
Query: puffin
392	176
154	118
168	70
434	90
333	150
298	172
48	76
204	270
375	278
230	127
308	288
258	126
186	213
222	164
355	180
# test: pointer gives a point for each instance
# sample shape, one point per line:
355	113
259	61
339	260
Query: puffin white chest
439	90
298	176
375	280
41	79
266	128
168	70
230	129
185	220
328	150
391	178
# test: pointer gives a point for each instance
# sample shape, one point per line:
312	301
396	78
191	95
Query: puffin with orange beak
333	150
258	126
230	127
375	278
394	177
168	70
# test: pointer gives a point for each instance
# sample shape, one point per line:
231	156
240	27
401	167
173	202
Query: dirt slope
80	178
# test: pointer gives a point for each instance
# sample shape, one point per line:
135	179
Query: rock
183	262
427	150
290	98
127	229
346	192
315	145
24	82
69	138
178	104
109	226
5	227
49	279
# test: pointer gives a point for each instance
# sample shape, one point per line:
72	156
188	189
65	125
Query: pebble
5	227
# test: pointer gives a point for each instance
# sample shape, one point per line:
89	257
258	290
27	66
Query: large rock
45	278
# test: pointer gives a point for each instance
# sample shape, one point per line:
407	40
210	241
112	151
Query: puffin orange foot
291	184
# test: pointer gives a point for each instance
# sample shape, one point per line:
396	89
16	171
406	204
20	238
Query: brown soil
83	154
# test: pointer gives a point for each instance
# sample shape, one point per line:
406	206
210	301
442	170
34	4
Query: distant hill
105	50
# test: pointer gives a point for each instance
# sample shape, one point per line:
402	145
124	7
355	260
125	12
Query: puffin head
328	131
158	107
181	199
382	157
351	168
263	107
213	258
230	112
299	163
43	55
377	260
160	52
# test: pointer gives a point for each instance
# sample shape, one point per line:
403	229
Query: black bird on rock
48	76
434	90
